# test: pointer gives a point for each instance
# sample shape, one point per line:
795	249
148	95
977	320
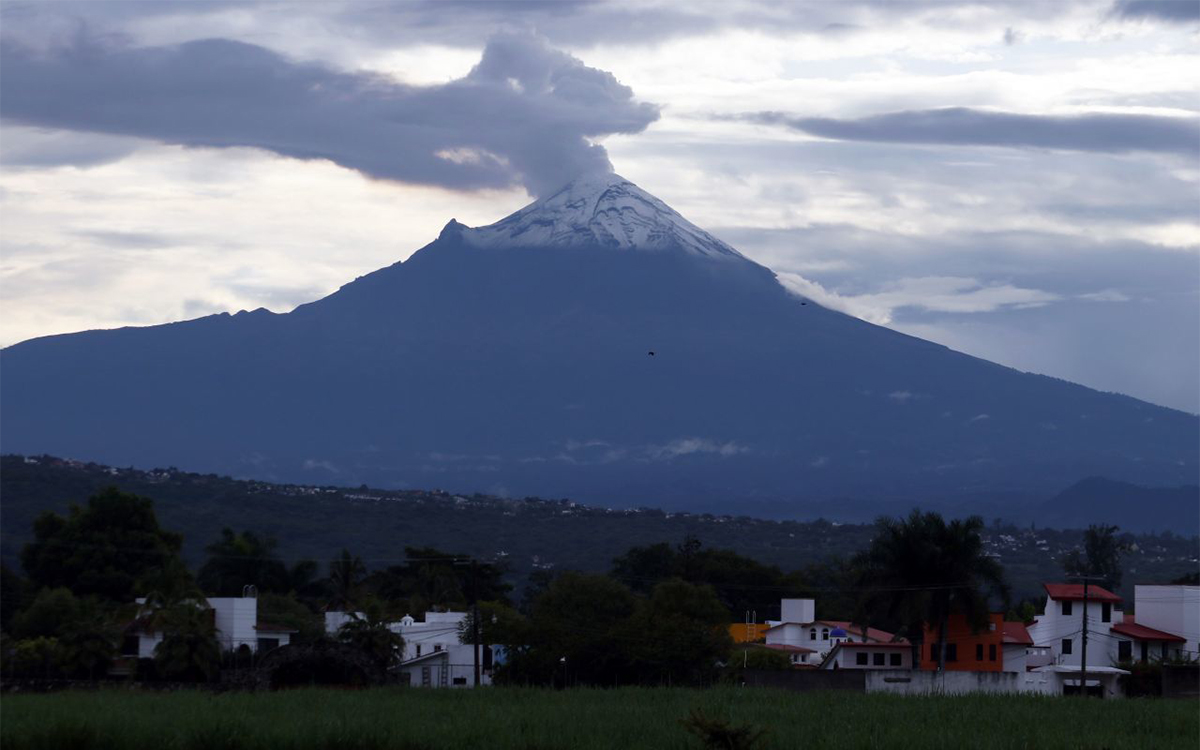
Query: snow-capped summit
599	209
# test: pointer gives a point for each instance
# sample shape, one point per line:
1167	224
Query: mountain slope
1132	507
516	359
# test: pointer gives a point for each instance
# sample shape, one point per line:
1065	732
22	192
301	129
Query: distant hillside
317	522
1130	506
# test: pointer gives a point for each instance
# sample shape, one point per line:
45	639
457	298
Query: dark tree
239	560
921	569
432	578
1101	556
579	632
679	634
13	593
102	549
346	574
369	632
741	584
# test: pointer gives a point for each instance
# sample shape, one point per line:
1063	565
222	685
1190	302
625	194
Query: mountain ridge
508	368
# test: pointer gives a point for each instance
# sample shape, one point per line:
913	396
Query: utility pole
475	617
1083	646
1084	639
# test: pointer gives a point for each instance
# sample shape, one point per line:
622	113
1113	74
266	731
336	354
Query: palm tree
921	570
345	575
369	631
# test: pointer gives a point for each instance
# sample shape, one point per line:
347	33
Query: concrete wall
958	683
1181	681
804	680
798	610
235	620
1174	609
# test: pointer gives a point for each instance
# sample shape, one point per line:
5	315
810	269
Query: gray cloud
1174	11
467	23
963	126
526	113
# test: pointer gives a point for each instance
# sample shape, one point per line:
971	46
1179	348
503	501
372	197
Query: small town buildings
1174	610
799	656
1060	626
798	626
433	655
851	655
237	625
1136	642
965	649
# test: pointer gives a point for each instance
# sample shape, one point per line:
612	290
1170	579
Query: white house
850	655
433	655
798	626
1060	627
237	625
1174	611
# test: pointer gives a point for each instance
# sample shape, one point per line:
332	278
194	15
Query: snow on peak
601	209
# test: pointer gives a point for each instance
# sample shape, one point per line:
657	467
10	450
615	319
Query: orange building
966	651
744	632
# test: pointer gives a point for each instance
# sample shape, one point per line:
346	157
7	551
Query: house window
812	634
991	652
895	659
129	645
860	659
1105	612
951	652
1066	646
425	676
824	634
879	656
1066	609
267	644
418	649
460	680
978	652
437	647
1124	650
934	650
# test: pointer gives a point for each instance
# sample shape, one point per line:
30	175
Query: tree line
659	616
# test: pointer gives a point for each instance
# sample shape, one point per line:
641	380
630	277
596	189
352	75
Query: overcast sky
1017	180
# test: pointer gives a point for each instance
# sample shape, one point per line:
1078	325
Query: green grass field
628	718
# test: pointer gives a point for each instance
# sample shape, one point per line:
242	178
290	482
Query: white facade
1060	628
798	610
432	655
1173	609
236	622
1043	682
869	656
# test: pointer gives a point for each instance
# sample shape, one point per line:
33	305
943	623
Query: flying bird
650	353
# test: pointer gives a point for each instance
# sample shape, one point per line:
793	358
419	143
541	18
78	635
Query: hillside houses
433	655
236	620
1045	656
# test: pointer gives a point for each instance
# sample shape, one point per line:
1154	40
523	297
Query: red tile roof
875	634
894	644
785	647
1143	633
1015	632
1074	592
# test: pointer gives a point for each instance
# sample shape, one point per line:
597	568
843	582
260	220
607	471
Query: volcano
596	345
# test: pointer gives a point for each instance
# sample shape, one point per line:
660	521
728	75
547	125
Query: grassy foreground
541	719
